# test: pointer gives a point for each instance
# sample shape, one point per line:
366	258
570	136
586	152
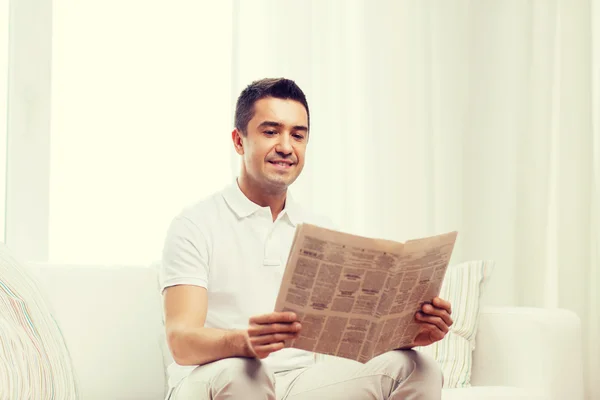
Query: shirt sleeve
185	256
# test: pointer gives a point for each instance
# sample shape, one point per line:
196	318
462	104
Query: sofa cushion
110	317
34	359
462	287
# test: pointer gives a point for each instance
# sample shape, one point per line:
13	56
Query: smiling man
222	265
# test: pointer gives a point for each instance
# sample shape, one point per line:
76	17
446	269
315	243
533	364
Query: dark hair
279	88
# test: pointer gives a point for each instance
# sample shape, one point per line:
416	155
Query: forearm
197	346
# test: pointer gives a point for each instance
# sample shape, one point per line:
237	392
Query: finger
428	309
257	330
274	338
435	321
263	351
273	318
444	304
435	334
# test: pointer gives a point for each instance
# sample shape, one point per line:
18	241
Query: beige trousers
396	375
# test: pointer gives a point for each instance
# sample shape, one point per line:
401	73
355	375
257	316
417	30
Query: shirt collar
239	203
292	210
244	207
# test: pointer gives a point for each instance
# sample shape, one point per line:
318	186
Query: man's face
274	146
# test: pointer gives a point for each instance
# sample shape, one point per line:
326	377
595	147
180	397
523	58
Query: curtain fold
592	322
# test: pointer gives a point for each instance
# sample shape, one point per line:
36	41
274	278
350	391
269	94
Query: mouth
282	164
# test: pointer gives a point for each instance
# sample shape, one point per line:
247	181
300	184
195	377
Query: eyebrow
280	125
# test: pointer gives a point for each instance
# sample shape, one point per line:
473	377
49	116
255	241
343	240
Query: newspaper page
356	297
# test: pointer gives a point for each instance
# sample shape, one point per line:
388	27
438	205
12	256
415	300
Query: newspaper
356	297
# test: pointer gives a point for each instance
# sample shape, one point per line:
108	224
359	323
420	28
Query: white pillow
34	360
462	287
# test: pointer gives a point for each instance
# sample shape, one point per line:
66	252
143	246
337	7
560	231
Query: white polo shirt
233	248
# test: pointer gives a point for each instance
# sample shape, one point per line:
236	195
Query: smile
281	164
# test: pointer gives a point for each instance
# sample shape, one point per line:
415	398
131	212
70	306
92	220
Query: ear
238	141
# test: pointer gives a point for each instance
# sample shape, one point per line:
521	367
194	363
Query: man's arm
189	341
193	344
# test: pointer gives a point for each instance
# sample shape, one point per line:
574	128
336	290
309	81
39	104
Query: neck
274	199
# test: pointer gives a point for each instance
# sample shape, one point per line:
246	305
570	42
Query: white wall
141	115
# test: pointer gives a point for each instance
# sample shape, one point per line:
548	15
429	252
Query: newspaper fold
356	297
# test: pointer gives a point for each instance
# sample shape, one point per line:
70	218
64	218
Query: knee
243	368
230	378
241	375
427	368
411	365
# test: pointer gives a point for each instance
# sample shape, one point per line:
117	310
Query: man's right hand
267	333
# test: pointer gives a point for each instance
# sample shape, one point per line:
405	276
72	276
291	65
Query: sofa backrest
111	319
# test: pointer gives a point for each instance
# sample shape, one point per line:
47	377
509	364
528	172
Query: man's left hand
435	321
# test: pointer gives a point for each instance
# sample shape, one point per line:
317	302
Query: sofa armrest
531	348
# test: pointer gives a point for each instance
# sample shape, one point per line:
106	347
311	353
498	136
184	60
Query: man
222	265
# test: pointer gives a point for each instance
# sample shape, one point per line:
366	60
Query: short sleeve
185	256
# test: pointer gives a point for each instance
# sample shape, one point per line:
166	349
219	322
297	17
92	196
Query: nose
284	145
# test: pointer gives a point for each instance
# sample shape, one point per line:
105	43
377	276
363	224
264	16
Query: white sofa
111	319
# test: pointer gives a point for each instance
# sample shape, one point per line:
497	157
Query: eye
270	133
298	136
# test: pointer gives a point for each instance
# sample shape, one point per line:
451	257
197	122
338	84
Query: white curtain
479	116
3	114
